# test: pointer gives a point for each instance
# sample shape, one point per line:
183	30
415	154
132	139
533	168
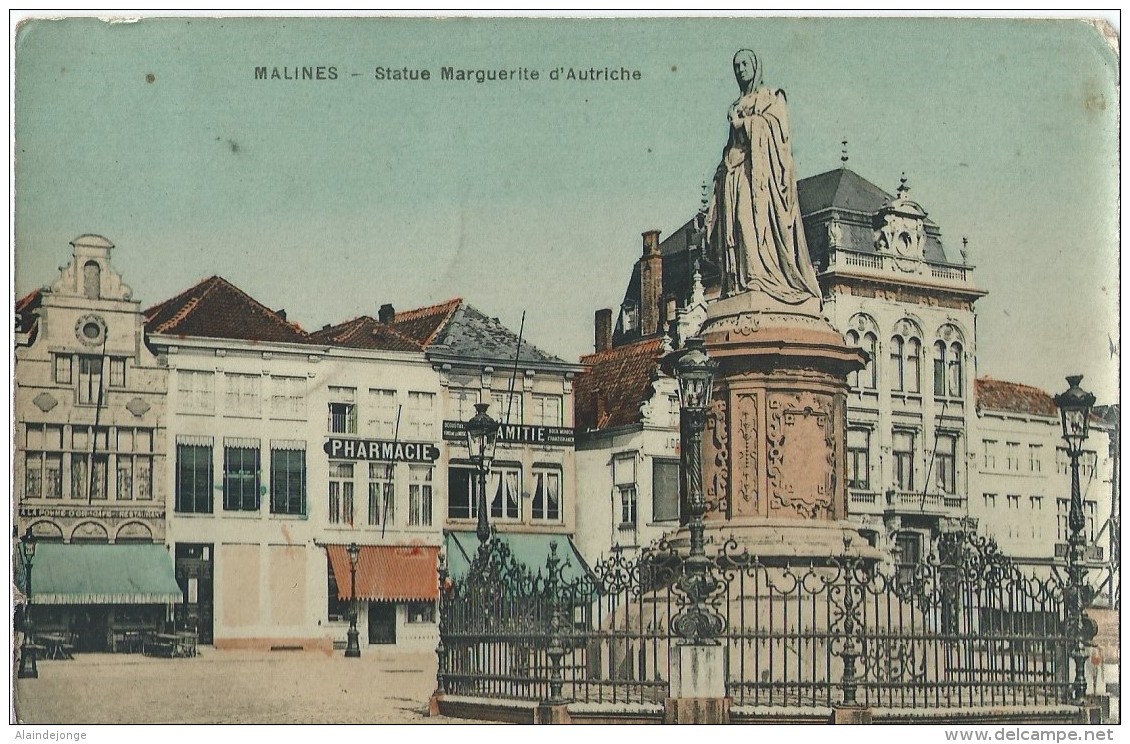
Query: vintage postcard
607	370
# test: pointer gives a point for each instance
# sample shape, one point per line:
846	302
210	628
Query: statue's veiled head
747	70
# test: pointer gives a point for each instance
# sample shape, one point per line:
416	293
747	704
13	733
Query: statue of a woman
753	223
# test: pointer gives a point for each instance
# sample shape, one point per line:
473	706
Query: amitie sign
553	436
382	450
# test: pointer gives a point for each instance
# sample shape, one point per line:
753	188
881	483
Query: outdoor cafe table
56	646
171	644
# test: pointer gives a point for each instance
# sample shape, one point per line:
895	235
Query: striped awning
388	573
103	574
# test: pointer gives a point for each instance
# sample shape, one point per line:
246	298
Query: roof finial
843	154
965	250
704	198
903	188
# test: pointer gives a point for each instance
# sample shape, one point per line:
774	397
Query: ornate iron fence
967	629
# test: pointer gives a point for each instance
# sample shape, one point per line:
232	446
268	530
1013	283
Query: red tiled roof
27	321
391	573
621	378
1012	397
216	308
365	332
424	324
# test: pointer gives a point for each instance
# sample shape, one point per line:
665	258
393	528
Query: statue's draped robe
754	219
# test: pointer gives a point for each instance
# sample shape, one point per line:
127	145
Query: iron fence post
850	651
556	650
441	648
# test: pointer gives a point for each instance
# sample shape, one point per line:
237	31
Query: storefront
397	589
101	593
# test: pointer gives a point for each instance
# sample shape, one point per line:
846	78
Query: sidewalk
231	687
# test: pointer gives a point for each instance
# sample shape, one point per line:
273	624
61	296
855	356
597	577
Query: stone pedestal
698	685
774	458
698	671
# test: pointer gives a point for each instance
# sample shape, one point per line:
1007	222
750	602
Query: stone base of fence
484	709
696	710
850	715
1096	709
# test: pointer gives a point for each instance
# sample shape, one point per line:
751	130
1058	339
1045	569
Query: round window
90	329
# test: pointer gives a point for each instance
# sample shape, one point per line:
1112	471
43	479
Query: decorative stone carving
137	407
716	457
745	472
45	401
90	531
90	330
133	531
801	425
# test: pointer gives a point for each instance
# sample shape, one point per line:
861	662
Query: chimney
386	314
651	283
600	407
603	329
281	313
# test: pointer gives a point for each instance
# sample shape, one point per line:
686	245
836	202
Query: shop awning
103	574
388	573
529	549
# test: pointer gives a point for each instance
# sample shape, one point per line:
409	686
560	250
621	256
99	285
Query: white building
1021	494
287	449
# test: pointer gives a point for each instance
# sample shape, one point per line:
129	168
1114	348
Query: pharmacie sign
552	436
380	449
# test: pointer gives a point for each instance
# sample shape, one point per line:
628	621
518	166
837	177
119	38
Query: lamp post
28	669
698	623
353	646
482	436
1075	415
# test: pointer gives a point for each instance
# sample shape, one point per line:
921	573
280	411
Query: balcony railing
861	501
879	262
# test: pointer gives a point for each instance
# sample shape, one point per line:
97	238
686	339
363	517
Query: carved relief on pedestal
801	455
745	475
716	459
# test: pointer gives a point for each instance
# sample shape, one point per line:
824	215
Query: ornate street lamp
695	371
1075	415
482	436
28	669
697	623
353	646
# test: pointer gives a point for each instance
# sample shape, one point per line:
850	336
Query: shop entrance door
382	622
194	575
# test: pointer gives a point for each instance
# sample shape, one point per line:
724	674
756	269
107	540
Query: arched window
853	340
956	385
92	280
897	369
869	375
913	366
939	369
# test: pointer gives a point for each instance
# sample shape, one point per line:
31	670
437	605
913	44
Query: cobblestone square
231	687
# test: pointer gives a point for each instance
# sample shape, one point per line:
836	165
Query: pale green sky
330	198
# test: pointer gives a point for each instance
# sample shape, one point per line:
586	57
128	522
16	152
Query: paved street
231	687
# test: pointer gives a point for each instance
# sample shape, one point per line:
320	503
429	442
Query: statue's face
745	68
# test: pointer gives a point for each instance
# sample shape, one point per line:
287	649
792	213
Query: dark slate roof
840	189
1013	397
621	377
472	336
216	308
365	332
